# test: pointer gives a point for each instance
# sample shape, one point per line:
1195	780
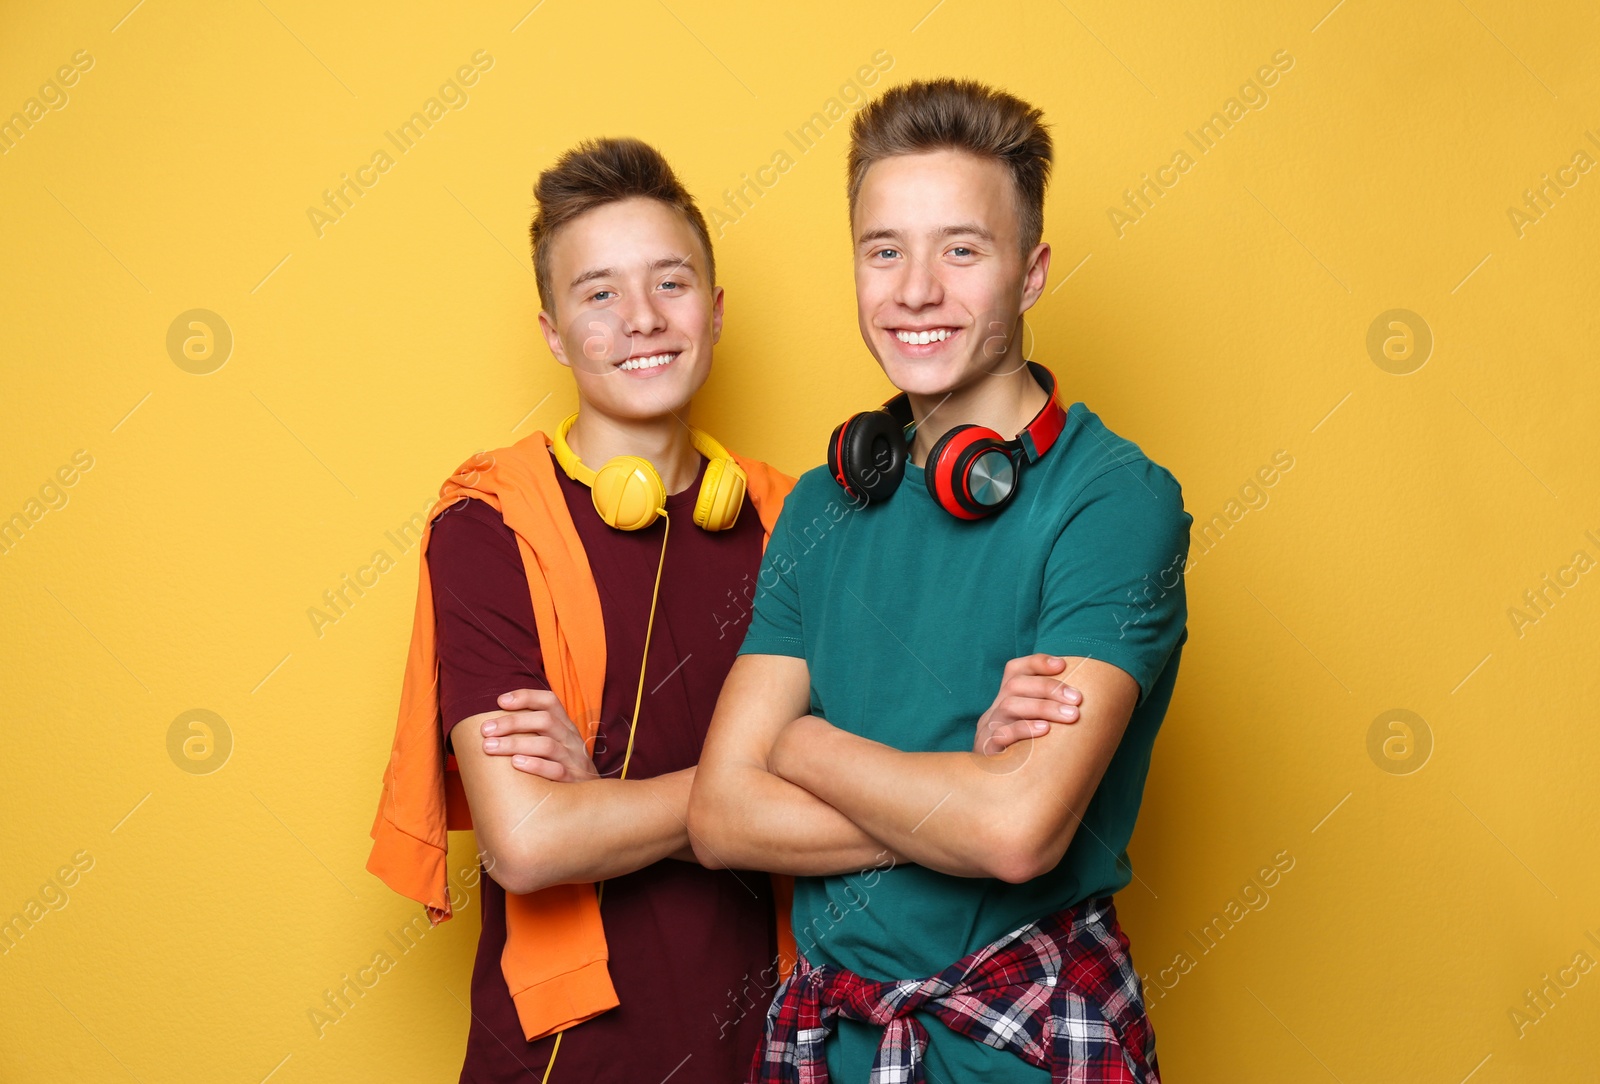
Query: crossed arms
782	790
766	794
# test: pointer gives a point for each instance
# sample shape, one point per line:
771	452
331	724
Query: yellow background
1227	325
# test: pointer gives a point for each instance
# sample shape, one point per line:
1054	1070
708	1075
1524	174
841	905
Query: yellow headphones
628	492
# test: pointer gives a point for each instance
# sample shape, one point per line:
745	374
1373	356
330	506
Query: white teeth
647	363
920	338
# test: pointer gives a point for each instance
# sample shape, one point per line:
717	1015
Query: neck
664	441
1004	400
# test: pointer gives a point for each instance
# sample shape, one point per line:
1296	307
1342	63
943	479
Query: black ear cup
867	455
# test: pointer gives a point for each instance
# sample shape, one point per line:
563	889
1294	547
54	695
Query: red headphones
970	473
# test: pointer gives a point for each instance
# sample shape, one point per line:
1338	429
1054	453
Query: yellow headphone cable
633	727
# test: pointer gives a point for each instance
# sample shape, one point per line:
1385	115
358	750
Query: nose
919	287
644	313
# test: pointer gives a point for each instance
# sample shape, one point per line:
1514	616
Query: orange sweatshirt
555	960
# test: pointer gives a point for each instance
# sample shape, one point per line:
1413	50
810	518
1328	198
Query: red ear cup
970	472
867	455
833	454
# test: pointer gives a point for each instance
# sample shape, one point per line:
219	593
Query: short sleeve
483	612
1113	585
775	626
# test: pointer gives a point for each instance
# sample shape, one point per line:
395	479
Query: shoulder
462	516
1099	467
815	493
511	465
811	490
817	484
467	532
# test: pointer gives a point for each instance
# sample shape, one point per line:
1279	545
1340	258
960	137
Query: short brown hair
962	115
597	172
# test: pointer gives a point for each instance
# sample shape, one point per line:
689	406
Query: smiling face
941	276
635	315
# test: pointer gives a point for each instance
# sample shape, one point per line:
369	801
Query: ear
547	326
1033	279
716	316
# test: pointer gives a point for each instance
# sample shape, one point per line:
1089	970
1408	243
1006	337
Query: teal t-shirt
906	617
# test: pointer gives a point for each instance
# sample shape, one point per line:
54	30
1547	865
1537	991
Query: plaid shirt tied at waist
1060	993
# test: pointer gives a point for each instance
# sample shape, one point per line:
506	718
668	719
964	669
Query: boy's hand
1031	698
538	737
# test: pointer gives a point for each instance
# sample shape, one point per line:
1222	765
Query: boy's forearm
952	812
744	817
592	831
741	816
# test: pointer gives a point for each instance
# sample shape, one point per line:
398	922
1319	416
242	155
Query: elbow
517	872
705	855
1020	867
1021	855
515	885
698	824
703	821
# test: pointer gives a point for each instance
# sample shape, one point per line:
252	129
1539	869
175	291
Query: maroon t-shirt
687	944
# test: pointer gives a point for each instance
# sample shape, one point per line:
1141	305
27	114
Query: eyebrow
882	233
665	263
966	229
963	229
590	276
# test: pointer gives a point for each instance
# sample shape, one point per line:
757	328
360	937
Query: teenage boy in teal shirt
896	585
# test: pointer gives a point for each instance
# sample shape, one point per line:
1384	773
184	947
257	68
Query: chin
652	399
930	376
648	407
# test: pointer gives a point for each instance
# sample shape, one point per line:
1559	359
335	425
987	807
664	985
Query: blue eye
601	295
670	285
886	253
961	250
